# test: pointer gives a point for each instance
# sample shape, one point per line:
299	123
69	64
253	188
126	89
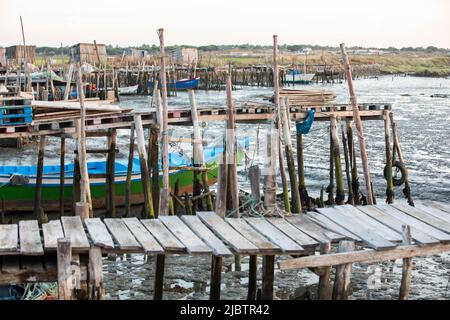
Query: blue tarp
305	126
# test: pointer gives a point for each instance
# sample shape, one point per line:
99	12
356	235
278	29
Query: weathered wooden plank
368	235
224	231
439	205
273	234
123	237
292	232
52	231
425	217
415	223
143	236
165	238
9	237
396	224
330	225
313	229
363	256
73	230
98	233
217	246
352	213
192	243
30	238
263	244
433	211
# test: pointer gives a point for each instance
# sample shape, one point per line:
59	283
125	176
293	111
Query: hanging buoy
399	168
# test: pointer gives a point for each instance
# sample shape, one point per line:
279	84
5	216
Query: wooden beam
64	258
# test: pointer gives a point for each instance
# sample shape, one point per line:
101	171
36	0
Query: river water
424	133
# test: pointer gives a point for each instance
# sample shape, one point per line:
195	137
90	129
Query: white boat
128	90
297	77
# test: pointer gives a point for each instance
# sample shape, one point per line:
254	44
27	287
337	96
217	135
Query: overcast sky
379	23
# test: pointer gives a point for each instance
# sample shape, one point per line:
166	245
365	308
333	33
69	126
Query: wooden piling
358	124
353	166
343	273
38	211
64	263
61	175
340	192
111	172
129	174
153	160
388	169
324	290
284	183
407	265
216	275
301	171
159	277
96	289
252	278
76	184
347	165
268	277
221	198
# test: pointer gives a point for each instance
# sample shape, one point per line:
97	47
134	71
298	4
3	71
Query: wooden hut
17	53
185	55
89	52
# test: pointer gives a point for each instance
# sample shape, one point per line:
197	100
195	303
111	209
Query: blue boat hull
179	85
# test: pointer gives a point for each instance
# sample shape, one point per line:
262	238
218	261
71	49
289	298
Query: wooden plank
194	244
73	230
9	237
165	238
263	244
52	231
145	239
368	235
352	213
313	229
30	238
433	211
217	246
123	237
273	234
225	232
438	205
330	225
292	232
98	233
415	223
396	224
363	256
425	217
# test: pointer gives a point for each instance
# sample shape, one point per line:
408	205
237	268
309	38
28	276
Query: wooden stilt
301	171
38	211
129	173
286	200
347	166
64	261
343	273
324	278
330	188
111	165
61	175
154	152
388	170
221	199
159	277
96	289
268	277
353	166
216	276
340	192
76	184
407	266
252	272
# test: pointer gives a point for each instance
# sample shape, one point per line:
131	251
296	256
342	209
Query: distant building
136	53
89	52
17	53
185	55
2	57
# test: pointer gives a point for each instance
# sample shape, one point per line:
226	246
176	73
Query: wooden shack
89	52
136	53
185	55
17	53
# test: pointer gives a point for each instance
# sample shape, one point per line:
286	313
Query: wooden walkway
28	252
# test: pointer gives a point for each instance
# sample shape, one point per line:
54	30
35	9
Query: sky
374	23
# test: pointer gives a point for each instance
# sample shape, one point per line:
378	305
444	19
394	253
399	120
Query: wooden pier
69	251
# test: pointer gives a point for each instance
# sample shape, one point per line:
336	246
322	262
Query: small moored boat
128	90
183	84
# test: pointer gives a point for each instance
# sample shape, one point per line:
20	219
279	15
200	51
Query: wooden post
64	261
111	172
216	275
165	192
69	82
343	273
38	211
389	179
145	177
407	265
221	198
76	184
330	188
129	174
286	200
296	201
96	289
301	171
340	193
153	154
254	175
268	277
324	292
353	166
359	126
61	175
159	277
351	200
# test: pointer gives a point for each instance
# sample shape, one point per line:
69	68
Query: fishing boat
294	76
183	84
128	90
17	183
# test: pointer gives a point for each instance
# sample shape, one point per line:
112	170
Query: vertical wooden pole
388	169
353	166
254	176
76	184
359	126
407	266
216	275
111	162
165	192
38	211
61	175
340	192
221	198
268	277
286	200
129	174
351	200
154	151
343	273
145	176
301	170
159	277
324	278
96	289
64	262
330	188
